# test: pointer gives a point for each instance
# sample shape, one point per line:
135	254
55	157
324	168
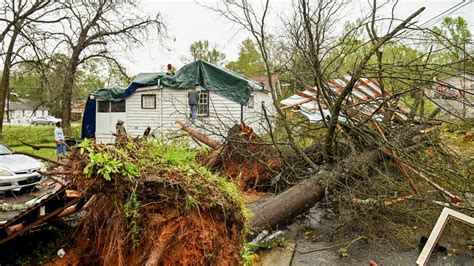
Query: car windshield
4	150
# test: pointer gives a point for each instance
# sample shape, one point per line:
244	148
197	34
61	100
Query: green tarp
199	73
114	94
213	78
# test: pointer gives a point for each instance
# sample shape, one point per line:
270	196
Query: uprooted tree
401	56
149	203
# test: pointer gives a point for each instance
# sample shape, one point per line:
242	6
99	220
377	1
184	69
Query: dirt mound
152	204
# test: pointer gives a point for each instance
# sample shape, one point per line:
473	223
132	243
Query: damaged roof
365	100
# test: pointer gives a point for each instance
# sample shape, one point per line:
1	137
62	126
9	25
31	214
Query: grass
48	153
13	135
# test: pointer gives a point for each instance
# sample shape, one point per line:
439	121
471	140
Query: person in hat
170	70
61	150
120	132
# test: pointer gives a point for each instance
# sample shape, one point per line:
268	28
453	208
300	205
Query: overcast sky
188	22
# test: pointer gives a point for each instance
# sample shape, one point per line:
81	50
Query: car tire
34	124
50	123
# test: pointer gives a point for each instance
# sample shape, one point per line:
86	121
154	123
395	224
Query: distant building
264	80
20	113
454	87
454	94
77	110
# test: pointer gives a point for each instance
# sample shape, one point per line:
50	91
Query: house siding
172	106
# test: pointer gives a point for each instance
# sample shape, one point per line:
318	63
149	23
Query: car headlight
5	172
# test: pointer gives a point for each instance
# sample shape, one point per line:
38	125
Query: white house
20	113
158	101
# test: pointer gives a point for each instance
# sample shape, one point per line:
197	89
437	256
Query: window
251	102
203	105
103	106
149	101
108	107
117	107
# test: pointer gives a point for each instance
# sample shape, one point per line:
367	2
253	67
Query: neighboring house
21	113
158	101
77	111
454	94
264	80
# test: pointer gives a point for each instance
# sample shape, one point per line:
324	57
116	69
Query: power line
447	10
450	12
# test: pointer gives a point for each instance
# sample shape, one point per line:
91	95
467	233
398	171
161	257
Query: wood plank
438	229
296	103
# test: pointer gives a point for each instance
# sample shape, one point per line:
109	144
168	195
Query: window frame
203	105
124	107
251	100
108	104
147	95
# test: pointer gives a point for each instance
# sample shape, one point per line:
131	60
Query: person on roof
120	132
193	100
170	70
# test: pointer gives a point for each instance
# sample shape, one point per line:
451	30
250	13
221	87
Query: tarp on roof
215	79
114	94
211	77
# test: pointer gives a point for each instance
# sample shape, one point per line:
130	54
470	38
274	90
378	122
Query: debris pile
244	157
150	203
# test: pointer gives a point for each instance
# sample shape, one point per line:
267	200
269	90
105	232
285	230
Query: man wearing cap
120	132
59	138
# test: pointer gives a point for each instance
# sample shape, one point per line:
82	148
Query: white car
45	120
18	171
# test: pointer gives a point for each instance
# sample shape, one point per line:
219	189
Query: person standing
120	132
60	144
193	100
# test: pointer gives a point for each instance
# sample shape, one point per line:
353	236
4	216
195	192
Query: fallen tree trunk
200	137
40	157
300	197
285	206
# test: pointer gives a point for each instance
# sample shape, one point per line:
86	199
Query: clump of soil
152	204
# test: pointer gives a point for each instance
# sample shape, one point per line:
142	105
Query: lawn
13	135
48	153
36	135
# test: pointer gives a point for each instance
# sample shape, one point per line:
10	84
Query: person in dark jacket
193	100
120	132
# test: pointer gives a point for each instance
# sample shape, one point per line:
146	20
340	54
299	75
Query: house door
108	113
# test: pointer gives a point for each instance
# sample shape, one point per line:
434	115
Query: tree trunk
6	78
302	196
285	206
68	84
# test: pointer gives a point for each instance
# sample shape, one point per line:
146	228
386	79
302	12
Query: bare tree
245	15
94	29
21	32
